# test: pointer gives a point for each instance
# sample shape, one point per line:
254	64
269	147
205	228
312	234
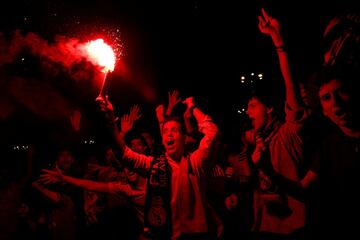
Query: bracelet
280	48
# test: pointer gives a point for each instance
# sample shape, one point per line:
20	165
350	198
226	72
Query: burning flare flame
102	54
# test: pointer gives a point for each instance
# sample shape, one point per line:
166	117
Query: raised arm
160	115
208	128
127	120
174	99
51	176
135	161
271	26
190	130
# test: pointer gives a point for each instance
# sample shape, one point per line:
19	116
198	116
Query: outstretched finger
175	93
266	16
262	21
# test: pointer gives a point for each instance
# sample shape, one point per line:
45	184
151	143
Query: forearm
125	189
160	117
292	98
118	138
198	114
206	126
188	126
161	121
291	89
292	187
168	111
210	138
87	184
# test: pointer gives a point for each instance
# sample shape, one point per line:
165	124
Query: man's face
65	160
258	113
137	145
173	139
335	102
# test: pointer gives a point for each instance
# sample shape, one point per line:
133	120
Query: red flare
102	54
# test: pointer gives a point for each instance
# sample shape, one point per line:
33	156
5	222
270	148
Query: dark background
201	48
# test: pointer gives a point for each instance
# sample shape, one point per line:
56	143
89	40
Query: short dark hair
135	135
178	120
267	94
346	74
267	91
325	74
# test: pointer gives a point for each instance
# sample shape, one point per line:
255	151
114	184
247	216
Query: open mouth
170	142
340	113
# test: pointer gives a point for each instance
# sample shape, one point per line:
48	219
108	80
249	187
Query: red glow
102	54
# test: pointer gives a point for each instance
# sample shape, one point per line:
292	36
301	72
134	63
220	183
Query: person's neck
176	156
267	125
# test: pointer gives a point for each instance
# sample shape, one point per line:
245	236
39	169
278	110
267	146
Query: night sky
201	48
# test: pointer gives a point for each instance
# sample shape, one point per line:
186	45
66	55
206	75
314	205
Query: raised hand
51	176
259	150
106	108
134	113
189	102
173	101
127	120
268	25
104	103
160	110
126	123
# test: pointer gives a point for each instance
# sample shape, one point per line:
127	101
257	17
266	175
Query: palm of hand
126	123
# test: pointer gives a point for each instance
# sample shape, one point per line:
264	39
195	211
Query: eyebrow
172	128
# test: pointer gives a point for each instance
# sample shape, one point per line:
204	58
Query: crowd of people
292	176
